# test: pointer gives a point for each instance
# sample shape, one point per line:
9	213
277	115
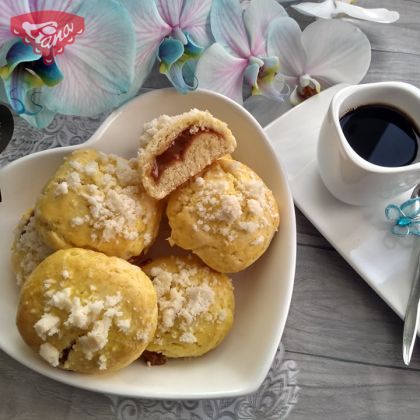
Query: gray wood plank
334	389
26	395
334	313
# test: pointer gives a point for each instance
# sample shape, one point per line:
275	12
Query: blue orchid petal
182	76
20	53
50	74
411	208
19	87
393	212
150	29
4	49
99	66
192	49
42	118
170	51
228	27
24	74
251	74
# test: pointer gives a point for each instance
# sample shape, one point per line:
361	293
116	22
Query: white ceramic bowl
263	292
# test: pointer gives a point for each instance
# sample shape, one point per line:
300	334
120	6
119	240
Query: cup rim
336	102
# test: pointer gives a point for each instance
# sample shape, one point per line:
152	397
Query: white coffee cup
349	177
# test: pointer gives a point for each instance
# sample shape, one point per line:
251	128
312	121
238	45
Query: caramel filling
155	359
175	152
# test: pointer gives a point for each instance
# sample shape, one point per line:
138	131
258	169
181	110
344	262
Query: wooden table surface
344	340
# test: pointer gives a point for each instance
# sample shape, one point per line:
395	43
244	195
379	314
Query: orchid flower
173	31
240	52
329	9
64	57
327	52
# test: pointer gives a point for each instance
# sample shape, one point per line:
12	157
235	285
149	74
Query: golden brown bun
96	201
226	215
86	312
173	149
196	306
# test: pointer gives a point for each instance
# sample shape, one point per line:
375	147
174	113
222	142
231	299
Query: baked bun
96	201
196	306
28	249
86	312
226	215
173	149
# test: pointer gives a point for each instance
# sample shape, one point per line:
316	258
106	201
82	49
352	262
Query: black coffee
381	135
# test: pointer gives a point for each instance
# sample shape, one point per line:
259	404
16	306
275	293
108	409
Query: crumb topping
229	200
181	299
92	315
62	188
30	247
47	325
111	190
102	361
49	353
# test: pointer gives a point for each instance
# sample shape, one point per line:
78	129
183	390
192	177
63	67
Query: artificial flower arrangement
83	58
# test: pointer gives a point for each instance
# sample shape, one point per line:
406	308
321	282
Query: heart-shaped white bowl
263	291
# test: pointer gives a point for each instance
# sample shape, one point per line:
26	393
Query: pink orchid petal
8	9
195	18
221	72
150	29
257	17
170	10
284	41
228	27
337	52
98	66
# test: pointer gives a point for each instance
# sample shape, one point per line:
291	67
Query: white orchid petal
337	52
257	17
284	41
228	27
324	10
295	98
373	15
329	9
221	72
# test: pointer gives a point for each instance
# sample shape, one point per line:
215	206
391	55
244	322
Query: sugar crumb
49	353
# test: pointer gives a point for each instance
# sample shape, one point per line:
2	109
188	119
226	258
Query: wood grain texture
342	390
